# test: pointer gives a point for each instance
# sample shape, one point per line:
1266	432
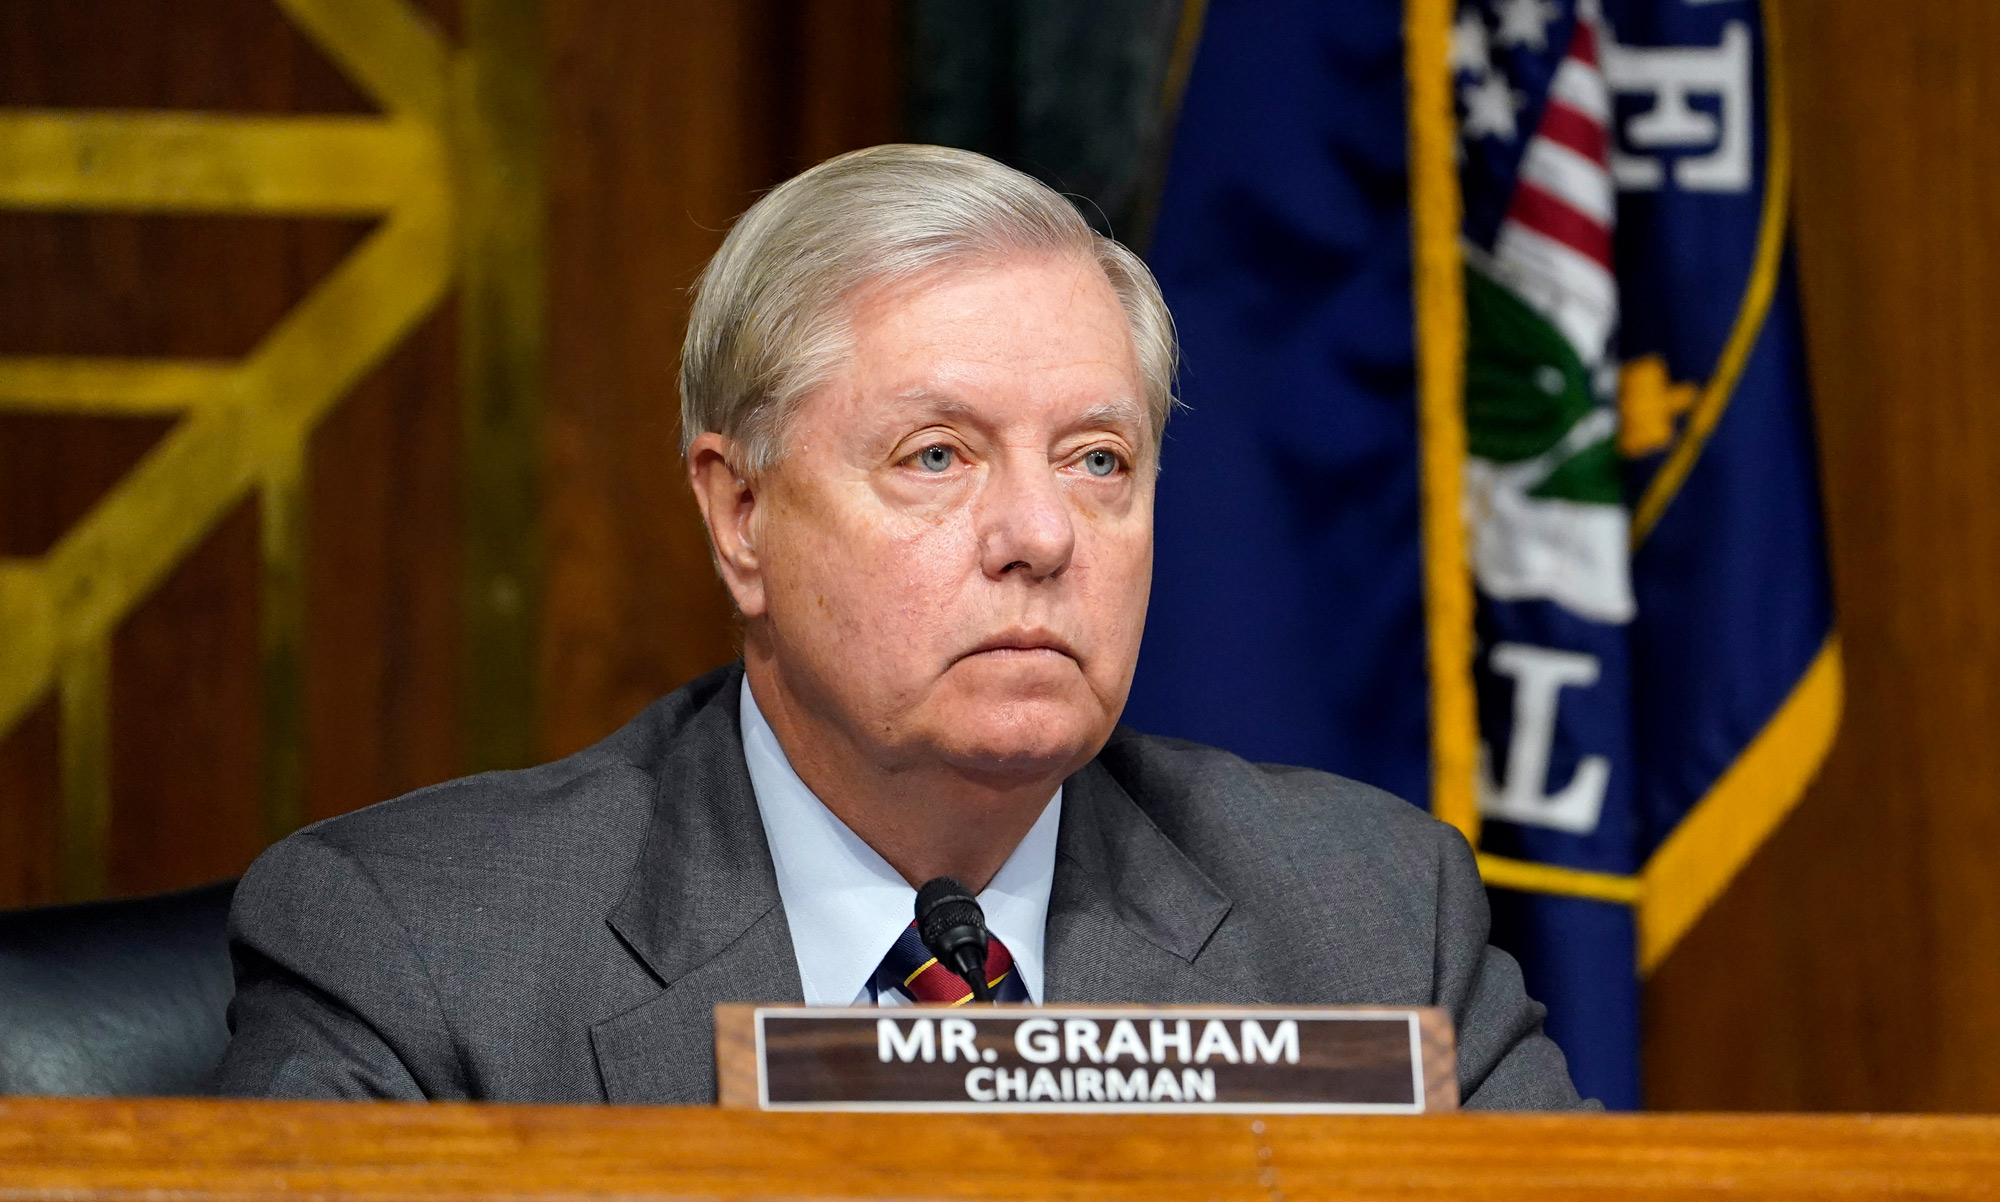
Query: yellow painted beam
392	50
110	386
199	162
29	645
247	424
502	341
156	514
318	352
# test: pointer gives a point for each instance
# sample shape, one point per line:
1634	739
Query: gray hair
769	322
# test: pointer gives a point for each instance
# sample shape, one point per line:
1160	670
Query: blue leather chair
115	997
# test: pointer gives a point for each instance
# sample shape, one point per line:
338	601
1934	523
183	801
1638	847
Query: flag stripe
1583	43
1582	88
1576	181
1553	217
1574	129
1570	288
1581	277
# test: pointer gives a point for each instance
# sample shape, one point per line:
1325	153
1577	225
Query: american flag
1553	245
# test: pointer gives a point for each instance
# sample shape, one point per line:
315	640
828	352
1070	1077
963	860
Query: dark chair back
115	997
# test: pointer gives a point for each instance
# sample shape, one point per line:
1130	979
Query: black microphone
953	928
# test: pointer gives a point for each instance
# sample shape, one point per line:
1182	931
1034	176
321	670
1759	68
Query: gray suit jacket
563	933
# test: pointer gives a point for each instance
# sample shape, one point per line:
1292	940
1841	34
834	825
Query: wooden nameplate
1088	1059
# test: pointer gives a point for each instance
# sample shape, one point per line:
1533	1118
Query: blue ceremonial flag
1496	486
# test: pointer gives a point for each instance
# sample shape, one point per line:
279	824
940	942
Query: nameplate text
1270	1060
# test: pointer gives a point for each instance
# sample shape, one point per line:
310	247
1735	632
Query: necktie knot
911	970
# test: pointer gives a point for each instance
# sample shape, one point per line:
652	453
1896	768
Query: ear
727	501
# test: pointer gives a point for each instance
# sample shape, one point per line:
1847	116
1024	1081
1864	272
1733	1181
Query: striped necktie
912	971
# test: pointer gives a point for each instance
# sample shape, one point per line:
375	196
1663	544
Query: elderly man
922	411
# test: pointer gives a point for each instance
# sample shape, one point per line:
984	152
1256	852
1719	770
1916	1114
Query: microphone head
953	928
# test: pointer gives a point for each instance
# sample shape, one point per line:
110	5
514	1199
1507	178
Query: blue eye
1100	462
936	458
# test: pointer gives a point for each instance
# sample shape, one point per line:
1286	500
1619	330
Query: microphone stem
971	968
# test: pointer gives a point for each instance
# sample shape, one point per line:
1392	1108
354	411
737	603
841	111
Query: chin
1023	739
1018	715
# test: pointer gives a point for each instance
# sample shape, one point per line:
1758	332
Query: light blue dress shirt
845	904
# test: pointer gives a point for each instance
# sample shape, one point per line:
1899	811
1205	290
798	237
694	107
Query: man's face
955	553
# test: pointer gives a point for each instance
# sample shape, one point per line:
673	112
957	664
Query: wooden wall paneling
383	603
677	115
83	754
1854	965
30	840
220	55
650	156
499	113
665	122
850	77
188	715
386	590
206	286
175	755
53	468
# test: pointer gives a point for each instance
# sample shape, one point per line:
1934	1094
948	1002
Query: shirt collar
843	902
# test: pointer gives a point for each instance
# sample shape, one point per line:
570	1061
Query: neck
926	818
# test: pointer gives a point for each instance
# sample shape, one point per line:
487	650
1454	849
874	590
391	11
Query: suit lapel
1129	915
701	912
662	1052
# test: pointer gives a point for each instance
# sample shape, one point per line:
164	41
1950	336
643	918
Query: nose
1024	522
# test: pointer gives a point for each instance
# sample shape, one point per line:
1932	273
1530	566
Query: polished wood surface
196	1150
1856	962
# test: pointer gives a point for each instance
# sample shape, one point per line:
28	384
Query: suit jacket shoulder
1255	822
454	942
1341	893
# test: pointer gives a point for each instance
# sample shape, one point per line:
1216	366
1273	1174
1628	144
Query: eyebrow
1113	413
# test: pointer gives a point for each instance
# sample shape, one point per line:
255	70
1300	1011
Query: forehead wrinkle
928	405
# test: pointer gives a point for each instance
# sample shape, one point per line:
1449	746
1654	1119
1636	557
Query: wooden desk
198	1150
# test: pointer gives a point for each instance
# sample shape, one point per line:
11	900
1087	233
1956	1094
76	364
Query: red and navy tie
912	971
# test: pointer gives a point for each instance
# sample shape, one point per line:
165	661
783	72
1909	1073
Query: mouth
1022	642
